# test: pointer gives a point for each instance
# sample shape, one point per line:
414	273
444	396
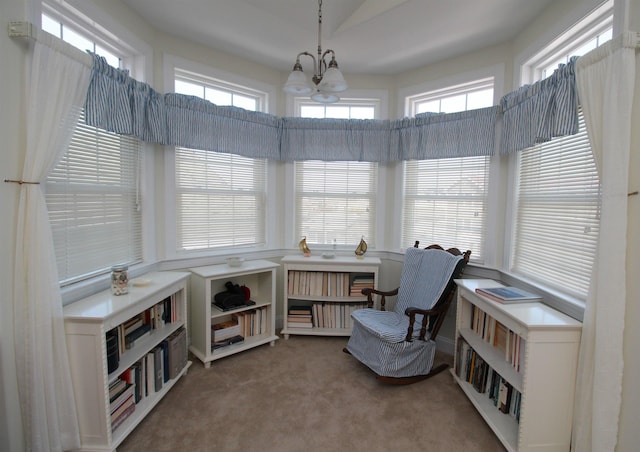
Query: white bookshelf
259	276
348	267
545	376
86	323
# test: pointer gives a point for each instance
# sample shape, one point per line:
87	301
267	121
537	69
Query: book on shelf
115	403
500	336
300	318
226	342
177	352
116	388
220	305
138	334
158	368
504	396
294	324
123	413
225	330
475	371
113	350
140	375
299	310
164	346
508	294
361	282
133	323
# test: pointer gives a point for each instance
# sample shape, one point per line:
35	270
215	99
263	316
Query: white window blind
93	193
558	213
445	202
93	201
220	200
336	202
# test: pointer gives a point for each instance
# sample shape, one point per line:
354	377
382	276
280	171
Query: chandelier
327	78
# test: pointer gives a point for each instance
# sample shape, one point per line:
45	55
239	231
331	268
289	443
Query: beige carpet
305	394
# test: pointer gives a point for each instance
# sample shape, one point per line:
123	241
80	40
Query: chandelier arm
324	61
315	63
319	72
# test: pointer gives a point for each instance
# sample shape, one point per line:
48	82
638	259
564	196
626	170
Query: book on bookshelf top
508	294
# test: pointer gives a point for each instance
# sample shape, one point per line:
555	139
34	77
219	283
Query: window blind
220	200
445	203
335	202
558	213
93	201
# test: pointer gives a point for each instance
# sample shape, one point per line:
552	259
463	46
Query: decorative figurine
361	249
303	247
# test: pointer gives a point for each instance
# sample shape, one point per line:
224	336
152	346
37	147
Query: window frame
355	97
529	70
243	85
465	83
135	56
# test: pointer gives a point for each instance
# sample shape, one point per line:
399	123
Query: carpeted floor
305	394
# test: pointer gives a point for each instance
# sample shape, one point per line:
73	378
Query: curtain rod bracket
20	30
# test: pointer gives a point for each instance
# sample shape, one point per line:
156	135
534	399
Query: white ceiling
368	36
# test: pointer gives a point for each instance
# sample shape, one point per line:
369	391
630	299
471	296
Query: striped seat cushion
386	325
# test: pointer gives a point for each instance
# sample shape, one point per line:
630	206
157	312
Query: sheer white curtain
57	86
605	79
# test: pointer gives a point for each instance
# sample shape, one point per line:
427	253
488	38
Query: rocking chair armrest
370	292
413	311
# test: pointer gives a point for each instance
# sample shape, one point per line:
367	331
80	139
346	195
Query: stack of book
334	315
122	402
312	283
508	295
360	282
252	322
300	317
225	333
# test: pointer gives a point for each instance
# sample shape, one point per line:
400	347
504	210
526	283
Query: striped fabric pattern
434	135
117	103
195	123
536	113
355	140
391	359
378	337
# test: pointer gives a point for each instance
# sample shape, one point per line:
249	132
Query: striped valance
120	104
537	113
434	136
195	123
335	139
532	114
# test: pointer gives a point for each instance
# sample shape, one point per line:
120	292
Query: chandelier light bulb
297	83
332	81
324	97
